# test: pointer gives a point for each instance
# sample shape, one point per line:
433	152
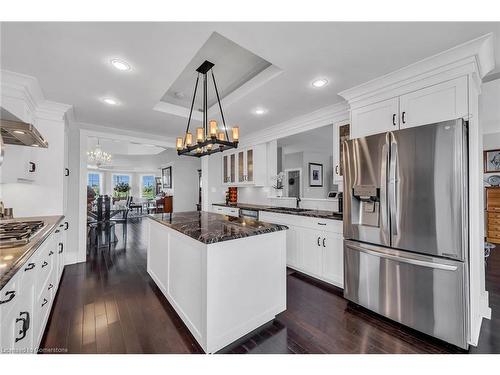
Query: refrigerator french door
406	227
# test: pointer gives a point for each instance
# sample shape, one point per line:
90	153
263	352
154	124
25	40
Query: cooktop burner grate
18	233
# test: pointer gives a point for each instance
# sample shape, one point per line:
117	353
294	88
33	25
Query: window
148	186
94	181
121	185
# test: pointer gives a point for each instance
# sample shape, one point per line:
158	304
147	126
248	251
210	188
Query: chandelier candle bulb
189	139
178	143
200	137
213	128
236	133
208	138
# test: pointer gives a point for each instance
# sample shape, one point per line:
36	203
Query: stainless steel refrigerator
406	227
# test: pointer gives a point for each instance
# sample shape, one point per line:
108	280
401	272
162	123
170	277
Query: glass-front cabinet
239	167
341	133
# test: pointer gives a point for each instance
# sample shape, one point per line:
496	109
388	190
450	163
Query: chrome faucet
298	202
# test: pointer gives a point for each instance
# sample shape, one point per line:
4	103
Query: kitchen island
224	276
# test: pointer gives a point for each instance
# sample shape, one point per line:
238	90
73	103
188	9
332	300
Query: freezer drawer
422	292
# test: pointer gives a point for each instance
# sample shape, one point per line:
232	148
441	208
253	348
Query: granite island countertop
321	214
209	228
13	258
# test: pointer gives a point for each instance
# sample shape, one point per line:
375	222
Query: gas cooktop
18	233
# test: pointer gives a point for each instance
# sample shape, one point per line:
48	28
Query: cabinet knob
24	317
11	294
30	266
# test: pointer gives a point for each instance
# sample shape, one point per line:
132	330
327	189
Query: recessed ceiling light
19	132
110	101
260	111
320	82
120	64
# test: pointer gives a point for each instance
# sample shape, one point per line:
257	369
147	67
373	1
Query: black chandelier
209	139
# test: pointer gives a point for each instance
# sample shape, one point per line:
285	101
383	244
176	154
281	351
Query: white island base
224	290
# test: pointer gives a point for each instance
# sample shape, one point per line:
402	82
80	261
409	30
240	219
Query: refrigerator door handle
393	188
384	211
416	262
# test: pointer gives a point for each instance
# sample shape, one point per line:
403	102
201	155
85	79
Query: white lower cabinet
26	300
313	246
229	211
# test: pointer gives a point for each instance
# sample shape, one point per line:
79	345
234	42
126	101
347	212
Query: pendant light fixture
98	156
208	139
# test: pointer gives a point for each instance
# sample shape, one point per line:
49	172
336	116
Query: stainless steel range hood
17	132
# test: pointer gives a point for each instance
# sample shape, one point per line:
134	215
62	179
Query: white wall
489	107
489	116
184	179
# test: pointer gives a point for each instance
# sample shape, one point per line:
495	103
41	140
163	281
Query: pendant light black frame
217	144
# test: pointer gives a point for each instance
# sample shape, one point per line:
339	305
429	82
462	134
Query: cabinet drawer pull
32	167
61	247
26	324
394	119
44	264
30	266
66	225
51	253
318	242
337	169
324	239
50	287
321	223
403	117
66	171
11	294
57	230
44	302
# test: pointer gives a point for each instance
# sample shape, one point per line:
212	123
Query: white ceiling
119	147
71	61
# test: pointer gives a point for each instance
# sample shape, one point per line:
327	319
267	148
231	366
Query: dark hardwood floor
110	305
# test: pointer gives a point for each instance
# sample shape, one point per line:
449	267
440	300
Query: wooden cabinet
247	166
375	118
493	215
313	246
436	103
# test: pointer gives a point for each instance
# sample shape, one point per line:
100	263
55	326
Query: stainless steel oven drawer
422	292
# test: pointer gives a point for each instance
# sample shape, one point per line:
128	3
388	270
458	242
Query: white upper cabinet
436	103
246	166
441	102
341	133
375	118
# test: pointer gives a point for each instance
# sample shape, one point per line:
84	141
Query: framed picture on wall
166	177
491	161
315	175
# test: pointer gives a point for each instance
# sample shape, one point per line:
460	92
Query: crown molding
475	57
88	129
331	114
27	89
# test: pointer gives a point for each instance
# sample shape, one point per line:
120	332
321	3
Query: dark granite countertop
13	258
321	214
210	228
